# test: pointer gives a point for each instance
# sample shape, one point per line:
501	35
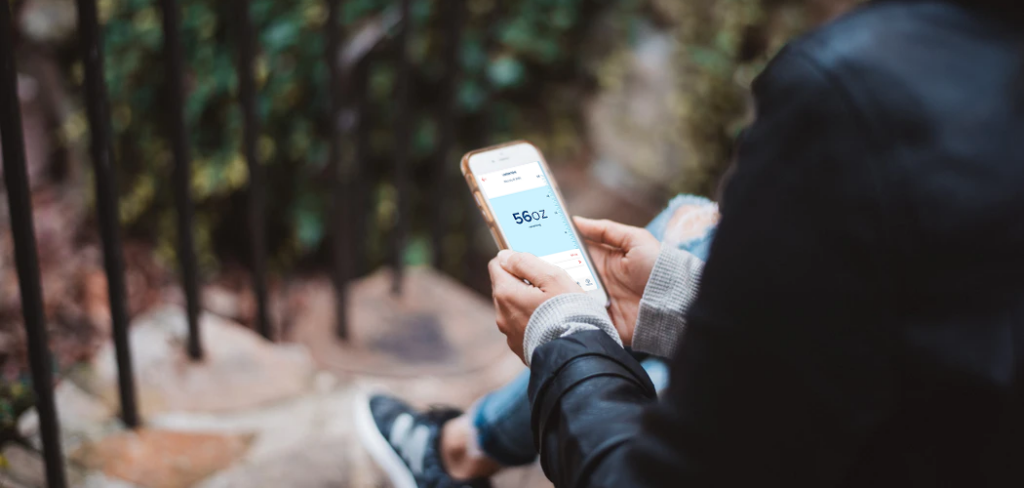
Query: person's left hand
624	257
514	300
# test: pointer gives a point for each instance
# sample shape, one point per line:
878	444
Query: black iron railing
182	172
106	200
257	201
347	92
340	82
402	132
19	199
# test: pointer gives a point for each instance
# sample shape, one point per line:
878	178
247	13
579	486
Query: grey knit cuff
563	315
670	291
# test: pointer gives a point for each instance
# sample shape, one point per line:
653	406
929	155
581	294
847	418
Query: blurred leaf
563	17
710	59
420	11
309	224
417	252
472	54
471	95
518	34
506	72
356	10
382	81
386	205
425	137
281	34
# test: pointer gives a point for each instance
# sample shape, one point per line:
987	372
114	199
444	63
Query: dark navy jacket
861	316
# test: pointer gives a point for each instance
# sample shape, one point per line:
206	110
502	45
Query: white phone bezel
510	155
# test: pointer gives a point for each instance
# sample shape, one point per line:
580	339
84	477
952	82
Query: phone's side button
497	239
480	205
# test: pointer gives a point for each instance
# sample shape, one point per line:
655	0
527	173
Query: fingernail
503	256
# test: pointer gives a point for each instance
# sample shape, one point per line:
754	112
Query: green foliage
15	398
506	61
712	103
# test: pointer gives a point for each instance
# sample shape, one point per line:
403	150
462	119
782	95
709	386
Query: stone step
257	414
435	343
239	369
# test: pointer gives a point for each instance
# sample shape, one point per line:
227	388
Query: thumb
502	281
607	232
528	267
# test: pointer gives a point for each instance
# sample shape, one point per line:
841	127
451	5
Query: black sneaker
404	443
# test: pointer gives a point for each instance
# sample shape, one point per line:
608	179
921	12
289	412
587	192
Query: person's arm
788	363
671	289
661	321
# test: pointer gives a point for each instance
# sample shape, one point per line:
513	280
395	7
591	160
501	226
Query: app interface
525	206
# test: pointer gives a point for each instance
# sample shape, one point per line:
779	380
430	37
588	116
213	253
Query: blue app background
539	237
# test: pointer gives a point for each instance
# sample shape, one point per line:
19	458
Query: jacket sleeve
787	366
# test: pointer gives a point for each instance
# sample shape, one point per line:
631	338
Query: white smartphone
525	212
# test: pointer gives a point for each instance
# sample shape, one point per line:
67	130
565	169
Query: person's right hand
624	257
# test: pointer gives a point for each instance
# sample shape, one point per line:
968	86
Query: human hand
514	300
624	257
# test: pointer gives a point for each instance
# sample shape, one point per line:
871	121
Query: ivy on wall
515	63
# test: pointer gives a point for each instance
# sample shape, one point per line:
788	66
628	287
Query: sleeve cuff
670	291
564	315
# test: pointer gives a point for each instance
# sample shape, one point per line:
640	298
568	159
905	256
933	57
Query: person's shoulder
902	37
869	32
858	40
898	62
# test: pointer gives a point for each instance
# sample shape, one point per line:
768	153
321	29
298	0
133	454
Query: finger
526	266
504	284
599	254
491	266
607	232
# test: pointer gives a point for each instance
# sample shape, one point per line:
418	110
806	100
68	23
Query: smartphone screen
524	204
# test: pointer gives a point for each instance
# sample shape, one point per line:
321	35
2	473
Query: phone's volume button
483	208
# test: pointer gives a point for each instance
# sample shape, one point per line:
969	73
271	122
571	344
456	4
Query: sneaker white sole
379	448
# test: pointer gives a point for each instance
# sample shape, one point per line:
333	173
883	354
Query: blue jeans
502	417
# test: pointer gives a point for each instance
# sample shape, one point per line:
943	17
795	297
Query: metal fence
343	85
